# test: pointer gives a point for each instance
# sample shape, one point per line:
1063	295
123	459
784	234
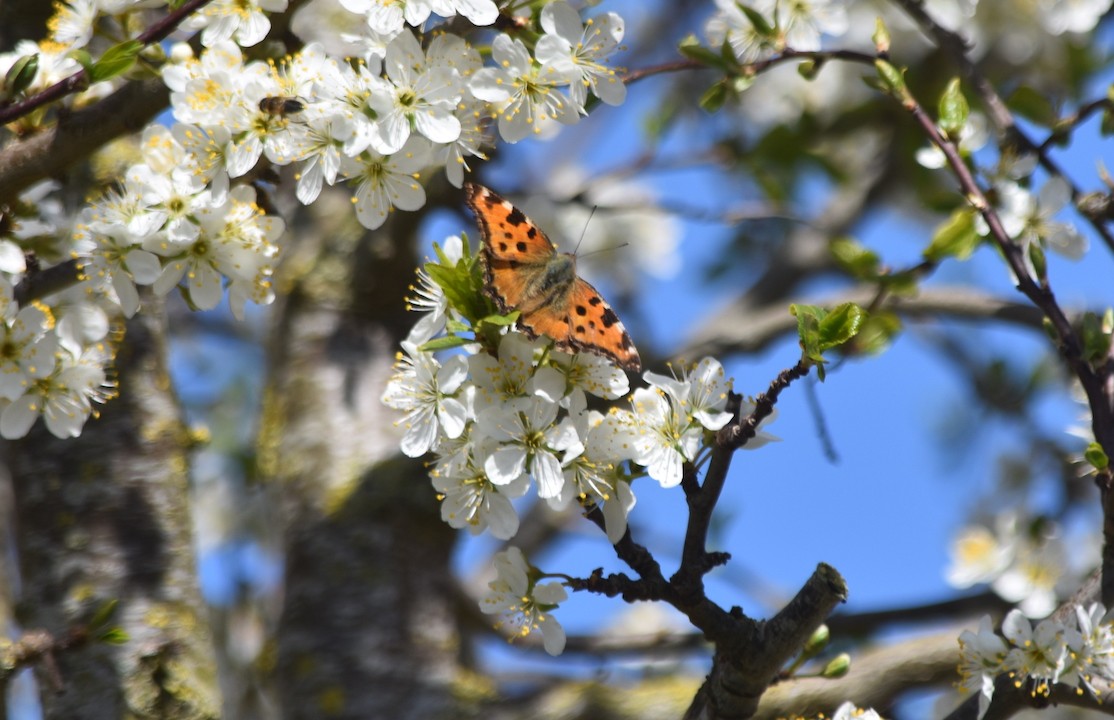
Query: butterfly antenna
584	231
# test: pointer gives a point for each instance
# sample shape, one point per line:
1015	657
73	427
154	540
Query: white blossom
526	93
580	51
427	391
523	603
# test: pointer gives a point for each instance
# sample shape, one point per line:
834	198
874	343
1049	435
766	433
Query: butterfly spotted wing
523	271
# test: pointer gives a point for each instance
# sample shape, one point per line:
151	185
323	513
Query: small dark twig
952	43
38	646
736	435
80	79
1068	124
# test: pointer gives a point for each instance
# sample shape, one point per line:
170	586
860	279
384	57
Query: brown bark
106	517
367	629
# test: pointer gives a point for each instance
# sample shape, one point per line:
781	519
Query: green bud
817	642
1096	456
893	80
837	667
953	109
881	36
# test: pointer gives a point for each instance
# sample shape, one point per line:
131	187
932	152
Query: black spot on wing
515	217
609	317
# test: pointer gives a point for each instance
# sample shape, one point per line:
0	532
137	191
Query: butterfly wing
514	251
523	271
585	323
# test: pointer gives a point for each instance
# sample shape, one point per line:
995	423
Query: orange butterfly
523	271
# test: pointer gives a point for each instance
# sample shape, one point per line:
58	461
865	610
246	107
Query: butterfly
523	271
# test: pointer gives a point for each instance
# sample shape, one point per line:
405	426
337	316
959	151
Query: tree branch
999	113
726	334
80	80
48	153
876	678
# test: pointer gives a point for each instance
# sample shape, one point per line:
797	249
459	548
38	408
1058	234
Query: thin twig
999	113
80	80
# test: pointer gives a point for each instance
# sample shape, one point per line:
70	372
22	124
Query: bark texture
106	517
367	628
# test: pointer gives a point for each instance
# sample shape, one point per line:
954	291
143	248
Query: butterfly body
523	271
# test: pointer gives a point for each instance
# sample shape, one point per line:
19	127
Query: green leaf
461	287
840	325
1096	338
854	258
953	109
693	49
103	614
82	57
956	237
21	74
453	325
714	97
758	20
502	320
877	333
808	330
443	343
115	61
1106	127
114	636
1032	105
444	259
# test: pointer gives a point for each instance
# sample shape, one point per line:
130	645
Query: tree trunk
367	628
106	517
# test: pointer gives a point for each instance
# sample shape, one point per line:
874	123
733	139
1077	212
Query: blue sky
884	514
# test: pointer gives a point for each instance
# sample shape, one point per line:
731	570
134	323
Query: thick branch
745	666
876	678
48	153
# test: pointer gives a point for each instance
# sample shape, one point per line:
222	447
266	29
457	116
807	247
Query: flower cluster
1073	652
401	109
511	413
796	25
1023	562
186	216
52	364
1027	217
